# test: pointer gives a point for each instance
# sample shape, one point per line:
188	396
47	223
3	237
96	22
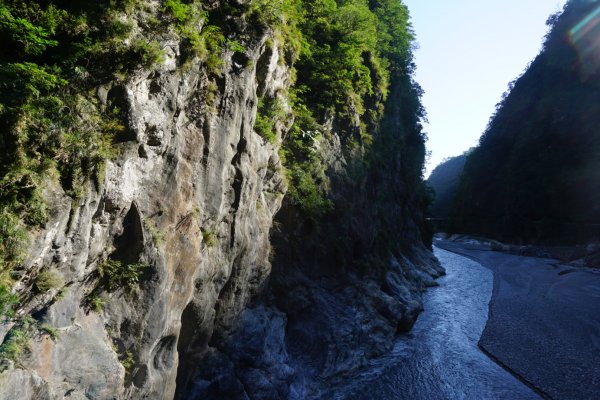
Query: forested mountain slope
535	175
206	199
444	181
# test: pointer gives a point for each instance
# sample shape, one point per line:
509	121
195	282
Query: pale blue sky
469	50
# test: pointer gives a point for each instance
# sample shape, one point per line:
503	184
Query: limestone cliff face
338	295
193	195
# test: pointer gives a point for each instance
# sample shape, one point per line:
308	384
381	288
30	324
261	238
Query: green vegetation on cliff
535	175
52	127
55	54
354	83
347	52
347	55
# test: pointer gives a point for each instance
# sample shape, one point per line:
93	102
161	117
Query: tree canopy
535	174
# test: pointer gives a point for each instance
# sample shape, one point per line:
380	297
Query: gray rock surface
193	194
337	296
190	171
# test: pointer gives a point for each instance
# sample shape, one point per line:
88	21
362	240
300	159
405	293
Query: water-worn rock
337	296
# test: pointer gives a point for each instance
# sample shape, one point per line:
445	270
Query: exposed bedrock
186	208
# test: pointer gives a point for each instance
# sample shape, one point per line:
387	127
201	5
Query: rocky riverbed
440	357
544	320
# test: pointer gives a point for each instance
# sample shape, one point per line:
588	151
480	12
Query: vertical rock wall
192	194
340	290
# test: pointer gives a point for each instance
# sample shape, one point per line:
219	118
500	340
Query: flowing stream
439	358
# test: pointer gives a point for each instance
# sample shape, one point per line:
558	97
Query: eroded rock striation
213	302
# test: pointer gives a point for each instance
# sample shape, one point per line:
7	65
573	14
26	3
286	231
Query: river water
439	358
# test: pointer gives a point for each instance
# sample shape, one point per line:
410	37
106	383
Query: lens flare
585	36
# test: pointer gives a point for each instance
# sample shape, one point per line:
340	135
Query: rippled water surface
439	358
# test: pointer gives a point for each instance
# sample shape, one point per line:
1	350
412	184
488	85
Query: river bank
582	255
439	358
544	320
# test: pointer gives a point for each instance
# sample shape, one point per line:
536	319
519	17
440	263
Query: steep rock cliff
338	295
192	194
139	286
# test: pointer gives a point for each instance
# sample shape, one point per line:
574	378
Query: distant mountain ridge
444	181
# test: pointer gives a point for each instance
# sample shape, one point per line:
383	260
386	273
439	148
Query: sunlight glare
585	36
